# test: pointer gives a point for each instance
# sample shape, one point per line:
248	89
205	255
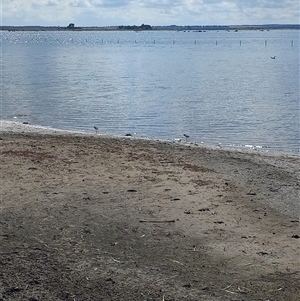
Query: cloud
108	3
154	12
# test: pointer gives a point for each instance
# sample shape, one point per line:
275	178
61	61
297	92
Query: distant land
72	27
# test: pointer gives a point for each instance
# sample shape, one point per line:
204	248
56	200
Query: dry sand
90	217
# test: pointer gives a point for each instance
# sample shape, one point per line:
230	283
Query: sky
153	12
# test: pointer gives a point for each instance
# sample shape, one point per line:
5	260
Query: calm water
217	87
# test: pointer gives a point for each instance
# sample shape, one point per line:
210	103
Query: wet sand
91	217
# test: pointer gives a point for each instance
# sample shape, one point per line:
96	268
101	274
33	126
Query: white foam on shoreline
20	127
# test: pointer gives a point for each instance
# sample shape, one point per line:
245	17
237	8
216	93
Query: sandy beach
91	217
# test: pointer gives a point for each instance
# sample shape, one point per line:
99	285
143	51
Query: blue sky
153	12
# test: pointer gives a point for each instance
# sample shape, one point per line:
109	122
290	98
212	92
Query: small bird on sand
186	137
96	129
273	57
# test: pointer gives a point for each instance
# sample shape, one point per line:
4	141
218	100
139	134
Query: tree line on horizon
134	27
72	26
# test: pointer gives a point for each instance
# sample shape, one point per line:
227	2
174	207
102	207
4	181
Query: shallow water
217	87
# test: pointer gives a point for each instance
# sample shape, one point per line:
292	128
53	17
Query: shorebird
186	137
273	57
96	129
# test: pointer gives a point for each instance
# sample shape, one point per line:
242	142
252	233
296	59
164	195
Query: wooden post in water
265	42
292	43
216	42
173	42
154	41
195	42
240	43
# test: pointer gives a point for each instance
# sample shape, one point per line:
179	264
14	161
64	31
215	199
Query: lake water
216	86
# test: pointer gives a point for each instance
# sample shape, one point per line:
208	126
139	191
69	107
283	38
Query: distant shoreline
154	28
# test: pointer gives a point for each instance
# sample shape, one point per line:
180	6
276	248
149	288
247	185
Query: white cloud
155	12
